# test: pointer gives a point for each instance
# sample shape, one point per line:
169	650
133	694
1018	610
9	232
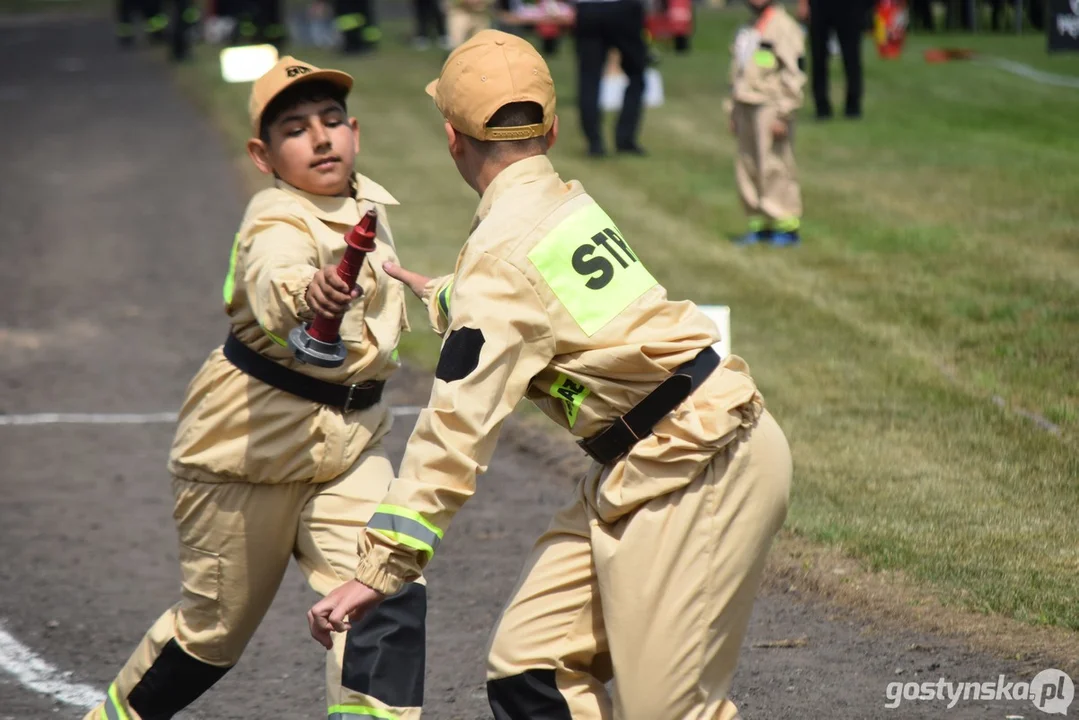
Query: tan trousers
659	601
461	24
235	543
764	169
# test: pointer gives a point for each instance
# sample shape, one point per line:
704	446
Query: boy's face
312	146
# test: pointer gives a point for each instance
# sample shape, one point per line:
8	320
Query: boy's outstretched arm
434	292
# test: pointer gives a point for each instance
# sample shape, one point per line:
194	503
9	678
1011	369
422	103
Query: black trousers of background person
847	19
429	18
601	26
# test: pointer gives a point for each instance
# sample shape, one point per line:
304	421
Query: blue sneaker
752	238
785	239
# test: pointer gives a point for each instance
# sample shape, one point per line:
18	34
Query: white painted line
88	418
41	677
1026	71
130	418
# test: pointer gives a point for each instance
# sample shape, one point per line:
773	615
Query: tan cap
287	72
493	69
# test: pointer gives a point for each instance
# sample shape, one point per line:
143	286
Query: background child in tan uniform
647	576
273	458
465	18
767	77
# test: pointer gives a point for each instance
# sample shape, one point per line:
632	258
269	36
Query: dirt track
117	209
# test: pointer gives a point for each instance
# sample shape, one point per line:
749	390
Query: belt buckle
352	389
583	444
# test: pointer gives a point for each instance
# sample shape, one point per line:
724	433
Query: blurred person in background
430	20
602	25
465	18
847	19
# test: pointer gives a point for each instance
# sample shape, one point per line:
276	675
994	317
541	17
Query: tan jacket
235	428
768	63
549	301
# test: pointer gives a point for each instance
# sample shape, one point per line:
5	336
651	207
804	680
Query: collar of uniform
518	173
342	210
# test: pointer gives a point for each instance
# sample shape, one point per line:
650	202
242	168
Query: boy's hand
779	130
328	295
415	281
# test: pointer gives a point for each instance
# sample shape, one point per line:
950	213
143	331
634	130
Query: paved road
117	209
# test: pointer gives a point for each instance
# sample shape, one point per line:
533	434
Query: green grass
936	296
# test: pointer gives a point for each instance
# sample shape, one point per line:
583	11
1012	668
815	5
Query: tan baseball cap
287	72
493	69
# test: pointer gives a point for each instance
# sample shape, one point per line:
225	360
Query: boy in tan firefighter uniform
648	575
465	18
767	77
273	458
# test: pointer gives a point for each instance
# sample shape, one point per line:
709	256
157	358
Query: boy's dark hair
513	115
298	94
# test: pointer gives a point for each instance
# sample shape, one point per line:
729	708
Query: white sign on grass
247	63
721	316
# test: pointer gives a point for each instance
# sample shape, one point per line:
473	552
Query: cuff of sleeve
299	297
378	577
439	320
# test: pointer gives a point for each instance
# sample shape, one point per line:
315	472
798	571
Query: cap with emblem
489	71
287	72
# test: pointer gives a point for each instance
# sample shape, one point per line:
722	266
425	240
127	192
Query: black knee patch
173	682
386	652
532	695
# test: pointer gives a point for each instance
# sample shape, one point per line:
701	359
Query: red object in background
676	21
890	27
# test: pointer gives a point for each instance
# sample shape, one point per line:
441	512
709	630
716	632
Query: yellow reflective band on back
230	279
340	712
114	698
407	541
571	394
410	514
765	59
591	268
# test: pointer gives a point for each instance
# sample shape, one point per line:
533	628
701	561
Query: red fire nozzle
319	343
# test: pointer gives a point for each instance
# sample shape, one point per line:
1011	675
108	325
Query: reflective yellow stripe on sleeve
230	279
344	712
406	527
444	299
114	709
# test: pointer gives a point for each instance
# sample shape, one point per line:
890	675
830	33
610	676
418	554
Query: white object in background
612	89
721	316
248	63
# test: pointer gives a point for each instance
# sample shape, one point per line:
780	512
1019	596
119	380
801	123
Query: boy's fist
328	295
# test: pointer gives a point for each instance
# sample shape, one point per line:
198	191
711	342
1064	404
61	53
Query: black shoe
852	114
824	116
597	151
632	150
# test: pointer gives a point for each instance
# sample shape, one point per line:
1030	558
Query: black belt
347	397
608	445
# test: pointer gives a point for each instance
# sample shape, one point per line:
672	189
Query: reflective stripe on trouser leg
384	659
159	679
